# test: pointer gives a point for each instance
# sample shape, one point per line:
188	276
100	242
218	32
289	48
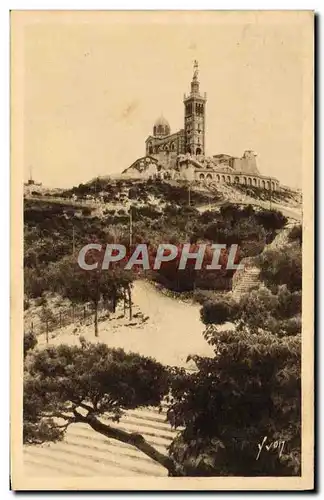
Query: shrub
282	266
271	219
296	234
30	342
218	312
86	211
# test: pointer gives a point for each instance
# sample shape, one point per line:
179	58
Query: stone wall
208	175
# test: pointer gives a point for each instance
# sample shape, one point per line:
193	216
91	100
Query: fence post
32	327
46	331
60	319
73	313
84	312
124	294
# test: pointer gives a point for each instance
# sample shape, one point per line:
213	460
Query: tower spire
195	81
194	119
195	75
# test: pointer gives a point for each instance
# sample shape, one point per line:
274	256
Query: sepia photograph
162	213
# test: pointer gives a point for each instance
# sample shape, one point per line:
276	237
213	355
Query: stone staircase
247	280
86	453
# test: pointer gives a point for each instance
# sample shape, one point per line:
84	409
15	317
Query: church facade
181	155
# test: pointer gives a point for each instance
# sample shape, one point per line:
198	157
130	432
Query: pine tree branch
90	409
136	440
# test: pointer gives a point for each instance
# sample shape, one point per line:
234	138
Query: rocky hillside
121	192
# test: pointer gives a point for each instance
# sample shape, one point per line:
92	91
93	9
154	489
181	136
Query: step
112	447
97	460
153	438
48	455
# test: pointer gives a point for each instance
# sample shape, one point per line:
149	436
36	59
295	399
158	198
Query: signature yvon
271	446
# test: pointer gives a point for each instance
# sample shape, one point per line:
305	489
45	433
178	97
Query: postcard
162	280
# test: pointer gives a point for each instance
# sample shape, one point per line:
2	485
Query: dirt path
172	331
290	212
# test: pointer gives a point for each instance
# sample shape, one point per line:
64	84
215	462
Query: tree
66	385
250	389
282	266
30	342
80	285
271	219
248	394
218	312
296	234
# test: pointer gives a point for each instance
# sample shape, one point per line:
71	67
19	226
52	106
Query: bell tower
194	118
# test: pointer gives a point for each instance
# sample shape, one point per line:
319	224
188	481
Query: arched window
244	180
209	177
236	179
229	178
254	182
223	178
263	184
250	181
201	176
198	151
217	178
268	184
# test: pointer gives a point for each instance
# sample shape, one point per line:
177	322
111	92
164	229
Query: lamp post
130	227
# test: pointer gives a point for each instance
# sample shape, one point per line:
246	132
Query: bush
250	389
249	393
35	283
283	266
86	211
30	342
271	219
296	234
218	312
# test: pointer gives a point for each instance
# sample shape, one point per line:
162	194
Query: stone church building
181	155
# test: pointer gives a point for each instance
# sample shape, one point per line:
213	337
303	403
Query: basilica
181	155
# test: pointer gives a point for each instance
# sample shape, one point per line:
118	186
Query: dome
161	127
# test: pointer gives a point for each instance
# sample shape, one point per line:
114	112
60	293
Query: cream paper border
19	20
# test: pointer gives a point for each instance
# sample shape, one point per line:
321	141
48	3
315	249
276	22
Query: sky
93	85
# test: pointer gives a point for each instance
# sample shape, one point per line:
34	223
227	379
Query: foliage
30	342
79	285
249	394
262	310
218	312
65	385
271	219
296	234
54	231
282	266
249	390
257	311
